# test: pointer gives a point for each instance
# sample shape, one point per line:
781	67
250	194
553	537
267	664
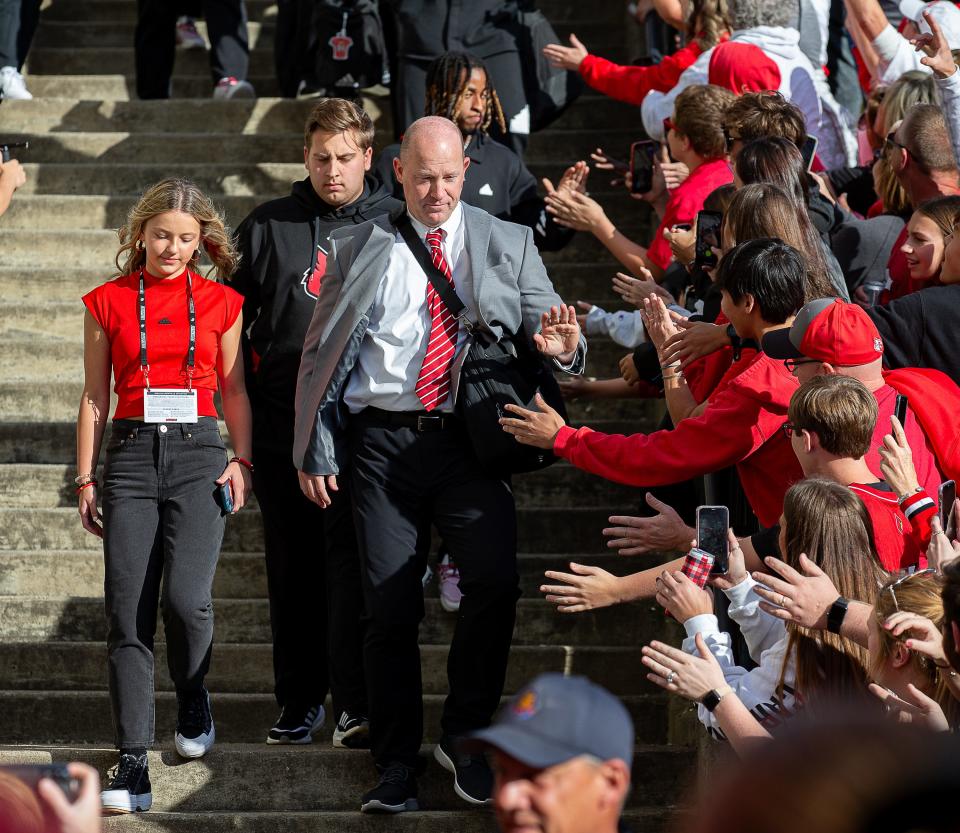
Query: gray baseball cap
556	718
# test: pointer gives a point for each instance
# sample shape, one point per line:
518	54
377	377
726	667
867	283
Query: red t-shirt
114	307
893	535
685	202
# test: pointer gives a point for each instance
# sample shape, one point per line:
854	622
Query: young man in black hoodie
313	572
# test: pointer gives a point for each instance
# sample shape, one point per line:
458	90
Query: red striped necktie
433	383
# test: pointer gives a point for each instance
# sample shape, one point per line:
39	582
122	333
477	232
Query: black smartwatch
836	614
712	698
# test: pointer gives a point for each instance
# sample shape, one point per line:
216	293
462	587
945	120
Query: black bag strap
439	281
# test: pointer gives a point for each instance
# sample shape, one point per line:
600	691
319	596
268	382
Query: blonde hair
177	195
919	593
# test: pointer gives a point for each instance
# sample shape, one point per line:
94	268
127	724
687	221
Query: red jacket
741	426
631	84
899	545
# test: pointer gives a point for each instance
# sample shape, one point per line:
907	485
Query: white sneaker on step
12	85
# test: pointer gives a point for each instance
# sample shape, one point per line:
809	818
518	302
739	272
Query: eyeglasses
793	364
789	429
893	586
729	138
891	140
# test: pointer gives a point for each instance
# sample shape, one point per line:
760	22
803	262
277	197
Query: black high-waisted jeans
162	534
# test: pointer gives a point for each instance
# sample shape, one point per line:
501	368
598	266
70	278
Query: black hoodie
283	246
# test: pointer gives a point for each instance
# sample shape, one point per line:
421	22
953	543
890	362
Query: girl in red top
171	340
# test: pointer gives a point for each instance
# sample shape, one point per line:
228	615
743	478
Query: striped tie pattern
433	383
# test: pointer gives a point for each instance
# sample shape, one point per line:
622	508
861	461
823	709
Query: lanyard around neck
191	317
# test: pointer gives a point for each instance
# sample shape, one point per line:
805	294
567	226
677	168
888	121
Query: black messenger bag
493	374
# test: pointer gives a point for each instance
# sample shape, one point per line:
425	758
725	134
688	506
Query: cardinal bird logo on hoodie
311	278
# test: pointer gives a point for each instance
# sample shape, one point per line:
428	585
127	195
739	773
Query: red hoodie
900	542
631	84
741	426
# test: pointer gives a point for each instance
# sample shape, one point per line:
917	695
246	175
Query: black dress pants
18	22
155	42
404	481
313	580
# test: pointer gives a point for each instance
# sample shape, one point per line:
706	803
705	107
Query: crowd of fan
783	347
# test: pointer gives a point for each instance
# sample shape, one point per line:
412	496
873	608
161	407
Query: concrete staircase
92	150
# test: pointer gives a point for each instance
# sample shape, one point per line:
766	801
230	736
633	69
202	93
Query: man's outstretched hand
538	428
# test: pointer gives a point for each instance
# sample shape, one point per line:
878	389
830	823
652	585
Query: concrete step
26	573
123	11
123	86
551	529
265	178
79	212
81	666
49	486
80	619
85	717
65	115
111	34
244	778
25	403
119	60
654	820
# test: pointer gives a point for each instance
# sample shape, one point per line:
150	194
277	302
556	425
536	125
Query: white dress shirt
392	350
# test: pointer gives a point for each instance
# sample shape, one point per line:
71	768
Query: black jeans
155	42
313	579
162	534
18	22
404	481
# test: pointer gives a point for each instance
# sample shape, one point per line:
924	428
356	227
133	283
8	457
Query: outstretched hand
803	598
664	532
566	57
584	588
559	332
537	428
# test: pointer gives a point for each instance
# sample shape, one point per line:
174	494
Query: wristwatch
836	614
712	698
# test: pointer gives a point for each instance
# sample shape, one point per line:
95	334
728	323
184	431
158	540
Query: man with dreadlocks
460	88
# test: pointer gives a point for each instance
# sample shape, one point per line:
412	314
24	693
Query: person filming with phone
171	340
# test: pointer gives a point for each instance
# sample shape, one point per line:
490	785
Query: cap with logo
828	330
556	718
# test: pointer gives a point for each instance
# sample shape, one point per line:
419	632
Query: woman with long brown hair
171	340
797	667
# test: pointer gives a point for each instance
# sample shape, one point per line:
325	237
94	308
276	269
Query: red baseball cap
829	330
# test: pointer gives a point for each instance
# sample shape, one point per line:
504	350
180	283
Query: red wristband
245	463
84	486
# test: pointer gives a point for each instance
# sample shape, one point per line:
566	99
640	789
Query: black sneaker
352	732
297	724
129	788
195	731
395	792
472	776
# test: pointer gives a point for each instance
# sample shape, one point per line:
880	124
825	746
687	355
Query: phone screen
641	165
808	151
708	238
712	524
30	774
946	495
900	409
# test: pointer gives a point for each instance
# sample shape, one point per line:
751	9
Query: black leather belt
420	421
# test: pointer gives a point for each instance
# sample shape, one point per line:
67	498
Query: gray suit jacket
510	287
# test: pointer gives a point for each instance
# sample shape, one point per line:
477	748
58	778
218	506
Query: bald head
430	168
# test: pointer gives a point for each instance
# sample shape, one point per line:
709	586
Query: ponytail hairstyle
707	21
177	195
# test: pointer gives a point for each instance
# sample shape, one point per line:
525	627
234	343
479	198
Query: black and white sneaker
129	788
472	776
195	731
297	723
352	732
396	791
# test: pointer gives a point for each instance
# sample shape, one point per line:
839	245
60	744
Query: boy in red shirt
762	287
829	336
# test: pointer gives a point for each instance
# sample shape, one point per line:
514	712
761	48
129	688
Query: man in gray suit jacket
377	387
